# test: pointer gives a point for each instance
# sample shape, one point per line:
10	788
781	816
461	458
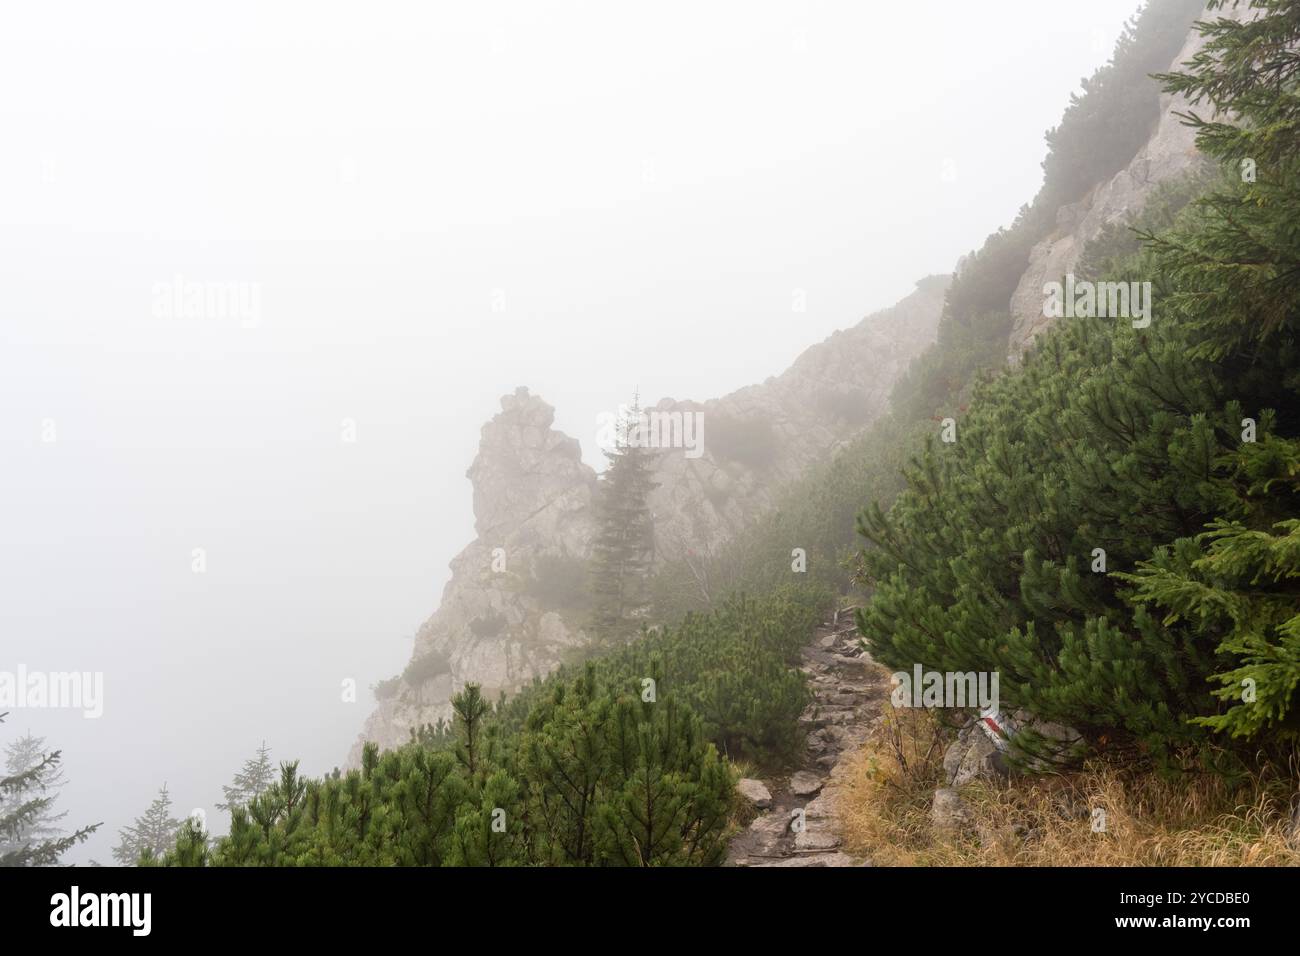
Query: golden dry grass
1150	820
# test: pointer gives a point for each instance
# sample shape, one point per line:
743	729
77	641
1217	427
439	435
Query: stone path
799	827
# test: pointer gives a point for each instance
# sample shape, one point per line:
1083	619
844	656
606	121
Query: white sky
643	186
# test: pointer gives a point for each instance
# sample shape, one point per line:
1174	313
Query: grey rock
755	792
949	812
1054	745
812	860
819	808
1170	152
805	784
816	838
972	756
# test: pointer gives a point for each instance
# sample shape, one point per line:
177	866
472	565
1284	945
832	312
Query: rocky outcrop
502	620
760	438
1169	153
971	756
993	746
507	613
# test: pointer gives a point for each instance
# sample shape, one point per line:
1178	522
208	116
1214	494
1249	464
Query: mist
422	207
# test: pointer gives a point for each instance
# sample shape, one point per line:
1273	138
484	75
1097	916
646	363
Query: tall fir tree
623	552
29	831
151	836
22	755
251	781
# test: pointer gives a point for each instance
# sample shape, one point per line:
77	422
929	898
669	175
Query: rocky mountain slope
1169	153
508	613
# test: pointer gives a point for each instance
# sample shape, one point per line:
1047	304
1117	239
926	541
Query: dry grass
1150	820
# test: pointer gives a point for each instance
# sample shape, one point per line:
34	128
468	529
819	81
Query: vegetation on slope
1173	449
613	763
1109	438
818	513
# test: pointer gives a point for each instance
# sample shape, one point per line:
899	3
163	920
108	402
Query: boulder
1039	745
805	784
755	792
949	812
972	756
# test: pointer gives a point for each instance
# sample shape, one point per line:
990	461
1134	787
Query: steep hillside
1169	153
1107	536
513	609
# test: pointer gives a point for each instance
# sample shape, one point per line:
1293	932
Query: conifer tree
587	769
1116	522
670	803
21	756
470	709
623	551
151	835
29	834
252	780
487	832
1237	585
561	757
1239	267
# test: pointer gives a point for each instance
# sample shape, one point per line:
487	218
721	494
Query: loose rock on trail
798	826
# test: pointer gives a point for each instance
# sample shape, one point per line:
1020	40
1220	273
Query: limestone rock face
1170	152
529	480
501	622
760	438
532	504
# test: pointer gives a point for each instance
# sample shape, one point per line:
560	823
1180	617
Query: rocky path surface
797	823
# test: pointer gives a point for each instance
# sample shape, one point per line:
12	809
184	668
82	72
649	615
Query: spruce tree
1239	269
152	834
256	776
29	834
623	551
1237	585
22	755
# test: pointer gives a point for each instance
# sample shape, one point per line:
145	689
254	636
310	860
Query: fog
425	205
